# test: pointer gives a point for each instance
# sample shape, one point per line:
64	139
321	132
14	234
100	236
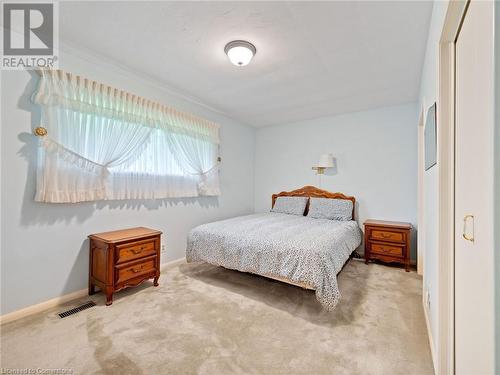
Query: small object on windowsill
388	241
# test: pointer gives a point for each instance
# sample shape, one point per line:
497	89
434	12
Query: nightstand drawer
127	272
384	249
387	235
135	250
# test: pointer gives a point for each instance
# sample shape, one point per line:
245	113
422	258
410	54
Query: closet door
474	256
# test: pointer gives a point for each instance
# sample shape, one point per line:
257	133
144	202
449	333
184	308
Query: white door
474	237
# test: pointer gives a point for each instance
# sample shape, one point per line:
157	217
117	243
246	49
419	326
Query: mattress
304	250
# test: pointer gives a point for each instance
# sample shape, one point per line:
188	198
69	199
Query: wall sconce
325	161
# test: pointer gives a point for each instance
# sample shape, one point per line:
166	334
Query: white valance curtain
103	143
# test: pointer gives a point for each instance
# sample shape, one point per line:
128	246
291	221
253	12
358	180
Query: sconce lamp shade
325	161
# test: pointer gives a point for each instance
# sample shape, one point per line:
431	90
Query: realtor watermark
30	37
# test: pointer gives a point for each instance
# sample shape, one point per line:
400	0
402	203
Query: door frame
446	181
420	196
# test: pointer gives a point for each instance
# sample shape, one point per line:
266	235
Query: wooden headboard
312	191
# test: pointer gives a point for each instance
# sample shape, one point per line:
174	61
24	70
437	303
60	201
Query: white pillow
332	209
290	205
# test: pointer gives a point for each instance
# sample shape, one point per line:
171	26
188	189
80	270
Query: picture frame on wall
430	137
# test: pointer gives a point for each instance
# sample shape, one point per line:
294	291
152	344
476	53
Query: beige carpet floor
208	320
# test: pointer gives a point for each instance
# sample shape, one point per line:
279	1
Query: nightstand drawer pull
131	272
135	250
387	250
378	234
137	270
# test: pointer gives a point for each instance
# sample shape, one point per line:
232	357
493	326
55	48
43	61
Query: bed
296	249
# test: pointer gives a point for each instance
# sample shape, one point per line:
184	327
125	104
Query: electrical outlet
162	248
428	299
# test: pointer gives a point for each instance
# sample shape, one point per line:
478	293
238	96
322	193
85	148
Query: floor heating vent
77	309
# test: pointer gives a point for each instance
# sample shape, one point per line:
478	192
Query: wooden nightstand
123	258
388	241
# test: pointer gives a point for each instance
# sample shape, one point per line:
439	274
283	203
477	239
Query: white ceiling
313	59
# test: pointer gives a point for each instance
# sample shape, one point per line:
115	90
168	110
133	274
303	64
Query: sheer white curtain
103	143
196	156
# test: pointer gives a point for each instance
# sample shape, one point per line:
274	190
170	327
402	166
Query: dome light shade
240	52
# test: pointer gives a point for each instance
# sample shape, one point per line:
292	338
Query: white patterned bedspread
299	248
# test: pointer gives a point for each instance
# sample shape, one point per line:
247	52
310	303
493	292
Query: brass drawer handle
135	270
386	235
138	251
383	249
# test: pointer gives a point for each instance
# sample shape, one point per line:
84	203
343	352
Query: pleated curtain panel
103	144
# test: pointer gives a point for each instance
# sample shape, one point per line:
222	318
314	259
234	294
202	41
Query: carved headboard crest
314	192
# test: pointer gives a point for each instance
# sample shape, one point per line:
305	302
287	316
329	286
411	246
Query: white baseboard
429	334
39	307
172	263
54	302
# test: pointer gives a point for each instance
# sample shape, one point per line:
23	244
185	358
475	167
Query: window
103	143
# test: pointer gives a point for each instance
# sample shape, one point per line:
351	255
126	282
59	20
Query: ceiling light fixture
240	52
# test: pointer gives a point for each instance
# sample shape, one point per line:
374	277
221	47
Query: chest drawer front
135	250
387	235
383	249
127	272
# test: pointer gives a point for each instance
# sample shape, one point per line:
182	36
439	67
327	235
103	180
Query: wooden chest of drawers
388	241
123	258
